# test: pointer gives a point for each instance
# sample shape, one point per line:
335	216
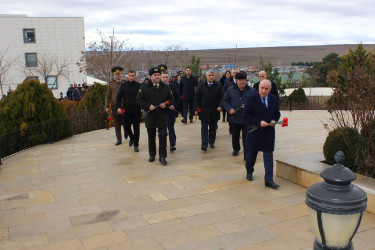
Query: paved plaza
85	193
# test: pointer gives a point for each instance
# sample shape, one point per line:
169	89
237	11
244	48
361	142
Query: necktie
264	102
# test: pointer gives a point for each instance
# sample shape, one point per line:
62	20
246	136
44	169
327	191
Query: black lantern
336	207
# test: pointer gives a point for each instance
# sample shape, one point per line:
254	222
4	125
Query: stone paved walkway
85	193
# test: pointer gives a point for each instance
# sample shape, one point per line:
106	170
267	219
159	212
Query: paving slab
85	193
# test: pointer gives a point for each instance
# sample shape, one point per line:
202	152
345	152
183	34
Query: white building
35	45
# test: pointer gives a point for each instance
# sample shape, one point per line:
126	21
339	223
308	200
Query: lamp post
336	207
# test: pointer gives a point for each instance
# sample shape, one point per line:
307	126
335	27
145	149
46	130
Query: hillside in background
277	55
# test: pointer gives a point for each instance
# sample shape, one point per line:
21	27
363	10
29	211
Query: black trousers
188	104
236	131
129	120
162	133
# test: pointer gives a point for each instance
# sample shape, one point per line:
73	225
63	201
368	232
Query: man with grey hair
261	113
207	104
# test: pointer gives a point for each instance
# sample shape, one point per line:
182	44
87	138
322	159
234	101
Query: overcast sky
209	24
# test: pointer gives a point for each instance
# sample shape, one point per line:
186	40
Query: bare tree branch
5	64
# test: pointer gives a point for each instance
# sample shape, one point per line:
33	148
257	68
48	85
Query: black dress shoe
136	149
151	159
183	121
271	184
118	143
212	146
126	136
249	177
235	153
131	141
163	161
191	121
172	148
204	148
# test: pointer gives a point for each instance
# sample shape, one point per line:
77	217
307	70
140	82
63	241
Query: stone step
305	171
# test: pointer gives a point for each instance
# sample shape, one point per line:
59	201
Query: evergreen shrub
343	139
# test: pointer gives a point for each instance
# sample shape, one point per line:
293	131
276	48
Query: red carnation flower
123	111
182	97
285	122
109	118
167	102
199	110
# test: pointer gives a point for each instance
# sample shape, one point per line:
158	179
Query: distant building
42	44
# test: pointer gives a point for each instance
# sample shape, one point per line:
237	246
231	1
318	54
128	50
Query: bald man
262	111
263	76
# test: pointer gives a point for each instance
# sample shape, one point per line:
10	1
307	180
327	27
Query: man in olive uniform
112	89
155	98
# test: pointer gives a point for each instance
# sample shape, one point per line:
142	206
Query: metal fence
17	141
312	103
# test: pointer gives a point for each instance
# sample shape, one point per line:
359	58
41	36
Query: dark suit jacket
263	139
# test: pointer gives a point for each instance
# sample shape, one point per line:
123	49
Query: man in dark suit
208	103
187	91
171	111
261	113
262	76
126	101
155	98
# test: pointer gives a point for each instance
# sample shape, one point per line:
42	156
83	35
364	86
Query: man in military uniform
163	68
112	89
155	98
126	101
171	111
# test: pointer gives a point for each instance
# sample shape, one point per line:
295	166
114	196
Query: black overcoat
126	97
262	139
148	94
187	87
208	99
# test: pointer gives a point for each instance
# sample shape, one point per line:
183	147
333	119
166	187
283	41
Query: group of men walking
247	108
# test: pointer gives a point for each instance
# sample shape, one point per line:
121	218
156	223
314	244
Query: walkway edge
305	171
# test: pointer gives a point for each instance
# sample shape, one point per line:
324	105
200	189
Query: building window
30	60
52	82
36	78
29	35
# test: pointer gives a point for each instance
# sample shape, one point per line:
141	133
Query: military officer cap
241	75
154	70
117	70
180	73
163	67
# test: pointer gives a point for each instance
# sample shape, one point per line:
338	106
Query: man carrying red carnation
110	100
132	113
207	104
155	98
261	111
